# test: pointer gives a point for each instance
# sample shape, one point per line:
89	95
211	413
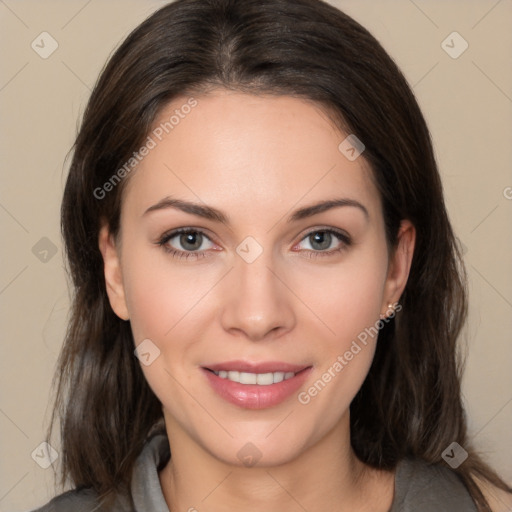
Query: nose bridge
254	278
258	300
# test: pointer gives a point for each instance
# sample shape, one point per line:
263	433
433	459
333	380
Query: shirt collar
146	491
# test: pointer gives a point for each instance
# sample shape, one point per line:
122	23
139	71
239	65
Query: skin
257	159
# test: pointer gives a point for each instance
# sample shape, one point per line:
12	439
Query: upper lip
255	367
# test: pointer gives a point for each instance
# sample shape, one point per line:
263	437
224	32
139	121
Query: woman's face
272	283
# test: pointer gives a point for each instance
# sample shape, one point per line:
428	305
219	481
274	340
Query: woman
268	291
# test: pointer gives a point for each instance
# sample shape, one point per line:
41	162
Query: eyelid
185	228
332	229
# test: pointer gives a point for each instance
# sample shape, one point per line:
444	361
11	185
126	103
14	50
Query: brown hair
410	403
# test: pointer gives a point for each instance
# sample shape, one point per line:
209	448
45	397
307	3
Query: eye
191	240
323	242
326	242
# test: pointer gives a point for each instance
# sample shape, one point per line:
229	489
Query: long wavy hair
410	403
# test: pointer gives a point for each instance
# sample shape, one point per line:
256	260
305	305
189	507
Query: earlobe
400	264
113	275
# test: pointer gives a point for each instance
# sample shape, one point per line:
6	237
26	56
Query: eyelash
175	253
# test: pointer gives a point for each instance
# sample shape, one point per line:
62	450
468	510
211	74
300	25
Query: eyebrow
210	213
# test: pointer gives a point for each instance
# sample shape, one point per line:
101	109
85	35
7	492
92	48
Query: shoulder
423	487
499	500
85	500
145	492
79	500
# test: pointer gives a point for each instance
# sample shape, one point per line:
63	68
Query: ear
399	265
113	275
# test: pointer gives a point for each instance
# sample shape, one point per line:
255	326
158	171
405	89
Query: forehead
249	152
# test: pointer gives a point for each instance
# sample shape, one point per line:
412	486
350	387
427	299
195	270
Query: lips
251	387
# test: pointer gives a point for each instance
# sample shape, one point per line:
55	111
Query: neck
326	476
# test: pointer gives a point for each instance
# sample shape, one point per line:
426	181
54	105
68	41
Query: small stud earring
391	307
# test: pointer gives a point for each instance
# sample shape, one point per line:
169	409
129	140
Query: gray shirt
419	487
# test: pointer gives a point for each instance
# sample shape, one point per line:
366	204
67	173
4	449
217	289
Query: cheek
349	304
347	298
161	294
164	305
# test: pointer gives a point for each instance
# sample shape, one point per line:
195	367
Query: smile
262	379
252	390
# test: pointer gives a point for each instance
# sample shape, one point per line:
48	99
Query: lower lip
253	396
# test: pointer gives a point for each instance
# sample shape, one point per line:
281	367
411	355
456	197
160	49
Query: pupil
323	238
188	239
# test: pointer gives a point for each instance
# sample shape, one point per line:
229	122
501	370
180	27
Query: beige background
467	102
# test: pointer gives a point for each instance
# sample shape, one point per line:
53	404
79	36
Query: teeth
263	379
234	376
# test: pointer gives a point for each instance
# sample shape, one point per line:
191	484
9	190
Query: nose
258	303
